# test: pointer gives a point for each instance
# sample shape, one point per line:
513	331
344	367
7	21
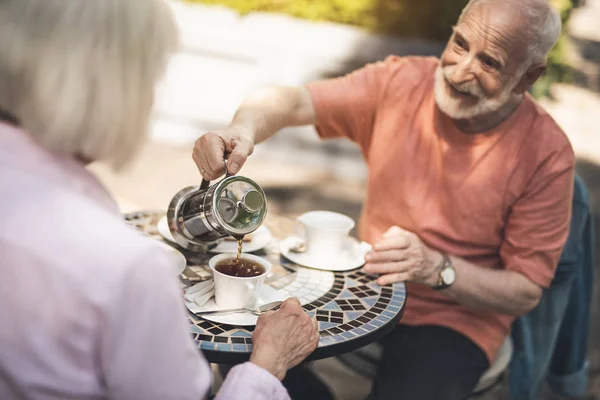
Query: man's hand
212	148
401	256
284	338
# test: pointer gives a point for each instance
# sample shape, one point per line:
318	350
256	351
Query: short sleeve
538	222
347	106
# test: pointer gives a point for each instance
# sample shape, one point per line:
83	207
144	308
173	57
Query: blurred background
232	47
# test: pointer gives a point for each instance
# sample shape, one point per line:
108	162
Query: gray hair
543	26
80	74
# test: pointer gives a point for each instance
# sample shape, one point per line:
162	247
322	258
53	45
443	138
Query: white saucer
266	295
351	257
260	239
179	262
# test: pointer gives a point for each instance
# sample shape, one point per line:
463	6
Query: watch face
448	276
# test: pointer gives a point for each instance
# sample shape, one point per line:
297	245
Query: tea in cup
325	233
238	281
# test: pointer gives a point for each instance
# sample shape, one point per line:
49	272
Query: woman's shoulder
70	233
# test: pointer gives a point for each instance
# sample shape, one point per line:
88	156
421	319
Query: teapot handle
206	183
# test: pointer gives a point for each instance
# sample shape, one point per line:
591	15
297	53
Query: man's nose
463	72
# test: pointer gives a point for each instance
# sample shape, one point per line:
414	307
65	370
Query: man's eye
461	43
490	63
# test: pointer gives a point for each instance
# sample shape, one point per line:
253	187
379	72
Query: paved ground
225	56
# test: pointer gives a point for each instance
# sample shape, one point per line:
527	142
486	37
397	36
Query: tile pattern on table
309	285
339	320
145	221
372	307
347	305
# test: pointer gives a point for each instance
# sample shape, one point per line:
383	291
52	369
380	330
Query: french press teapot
199	218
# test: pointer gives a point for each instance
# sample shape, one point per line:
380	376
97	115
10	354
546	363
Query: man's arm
508	292
499	290
339	107
267	111
259	117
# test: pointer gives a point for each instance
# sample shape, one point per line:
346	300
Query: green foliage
558	69
430	19
425	18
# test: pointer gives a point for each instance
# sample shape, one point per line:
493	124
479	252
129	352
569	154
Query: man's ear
530	77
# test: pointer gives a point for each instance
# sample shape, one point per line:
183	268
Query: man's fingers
387	268
211	150
198	156
208	154
206	170
238	156
393	243
215	156
393	231
393	278
386	256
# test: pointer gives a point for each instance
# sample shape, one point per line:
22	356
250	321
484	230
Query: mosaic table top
352	310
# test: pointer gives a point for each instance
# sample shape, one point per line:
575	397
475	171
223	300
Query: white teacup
325	233
237	292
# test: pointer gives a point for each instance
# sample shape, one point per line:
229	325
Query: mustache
470	88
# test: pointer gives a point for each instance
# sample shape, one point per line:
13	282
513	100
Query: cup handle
300	230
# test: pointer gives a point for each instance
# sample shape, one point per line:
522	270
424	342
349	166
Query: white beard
453	107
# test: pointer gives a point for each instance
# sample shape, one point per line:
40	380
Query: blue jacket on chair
550	343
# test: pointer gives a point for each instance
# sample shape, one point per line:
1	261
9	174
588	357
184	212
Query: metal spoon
256	311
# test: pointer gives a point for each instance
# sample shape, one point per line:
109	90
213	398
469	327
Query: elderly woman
88	307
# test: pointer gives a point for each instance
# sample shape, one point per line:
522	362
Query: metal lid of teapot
199	217
239	205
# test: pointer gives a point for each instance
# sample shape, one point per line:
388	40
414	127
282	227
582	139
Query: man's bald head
538	20
497	51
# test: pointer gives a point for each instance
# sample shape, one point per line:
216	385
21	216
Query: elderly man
470	185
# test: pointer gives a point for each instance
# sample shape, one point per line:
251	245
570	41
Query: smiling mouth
458	93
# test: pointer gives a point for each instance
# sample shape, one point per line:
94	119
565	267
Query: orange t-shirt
500	199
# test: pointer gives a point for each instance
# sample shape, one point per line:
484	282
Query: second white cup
325	233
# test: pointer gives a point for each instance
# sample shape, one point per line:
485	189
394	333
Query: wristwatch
447	274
